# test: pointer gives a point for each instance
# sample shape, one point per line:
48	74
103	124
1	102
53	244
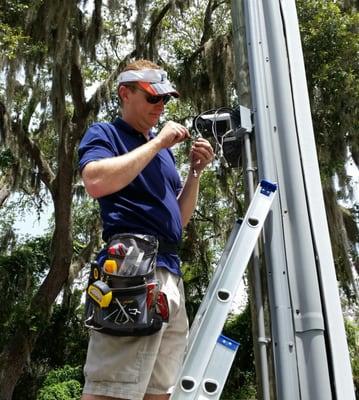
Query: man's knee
147	397
95	397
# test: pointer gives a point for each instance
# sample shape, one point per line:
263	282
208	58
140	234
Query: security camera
225	128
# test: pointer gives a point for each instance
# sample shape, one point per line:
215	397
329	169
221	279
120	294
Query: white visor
154	81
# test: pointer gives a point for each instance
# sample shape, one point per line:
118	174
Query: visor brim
158	89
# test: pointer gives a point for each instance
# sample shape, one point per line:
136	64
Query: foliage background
58	74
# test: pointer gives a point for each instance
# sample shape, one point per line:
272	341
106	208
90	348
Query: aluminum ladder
209	355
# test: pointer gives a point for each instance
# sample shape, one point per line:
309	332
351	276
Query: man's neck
134	124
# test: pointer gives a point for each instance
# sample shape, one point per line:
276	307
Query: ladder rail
214	309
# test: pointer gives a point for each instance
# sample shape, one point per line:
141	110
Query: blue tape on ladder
227	342
267	187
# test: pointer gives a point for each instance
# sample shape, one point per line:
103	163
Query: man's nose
160	105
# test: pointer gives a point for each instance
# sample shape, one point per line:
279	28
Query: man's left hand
201	155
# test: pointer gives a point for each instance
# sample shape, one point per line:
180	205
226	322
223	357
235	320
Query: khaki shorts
128	367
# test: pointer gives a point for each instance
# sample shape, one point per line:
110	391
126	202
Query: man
132	173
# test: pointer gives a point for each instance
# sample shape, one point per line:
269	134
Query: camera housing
225	129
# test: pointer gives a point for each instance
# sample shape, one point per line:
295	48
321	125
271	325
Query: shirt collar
123	125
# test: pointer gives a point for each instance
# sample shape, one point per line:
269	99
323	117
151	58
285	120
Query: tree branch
77	84
94	102
202	217
26	145
35	154
31	105
4	194
4	123
154	26
207	23
86	253
207	31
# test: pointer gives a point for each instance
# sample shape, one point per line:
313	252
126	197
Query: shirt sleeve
95	145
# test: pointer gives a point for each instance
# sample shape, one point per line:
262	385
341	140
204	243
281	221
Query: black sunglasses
156	99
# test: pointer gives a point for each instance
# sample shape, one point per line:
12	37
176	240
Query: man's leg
95	397
119	367
174	339
147	397
128	367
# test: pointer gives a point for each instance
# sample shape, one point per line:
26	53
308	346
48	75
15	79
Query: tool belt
168	247
123	295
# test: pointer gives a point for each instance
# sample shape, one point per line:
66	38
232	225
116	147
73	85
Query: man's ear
122	92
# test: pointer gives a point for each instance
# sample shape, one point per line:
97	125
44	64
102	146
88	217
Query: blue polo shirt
149	203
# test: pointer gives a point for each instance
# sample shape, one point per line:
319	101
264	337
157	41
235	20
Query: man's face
137	111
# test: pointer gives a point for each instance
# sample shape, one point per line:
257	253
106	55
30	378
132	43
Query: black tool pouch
123	296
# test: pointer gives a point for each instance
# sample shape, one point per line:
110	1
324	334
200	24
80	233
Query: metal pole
304	287
285	361
301	278
262	340
240	58
339	355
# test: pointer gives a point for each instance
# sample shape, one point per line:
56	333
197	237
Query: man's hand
201	155
171	134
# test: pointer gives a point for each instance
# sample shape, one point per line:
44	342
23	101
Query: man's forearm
110	175
188	197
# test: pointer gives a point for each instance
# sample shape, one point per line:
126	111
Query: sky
31	225
30	222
